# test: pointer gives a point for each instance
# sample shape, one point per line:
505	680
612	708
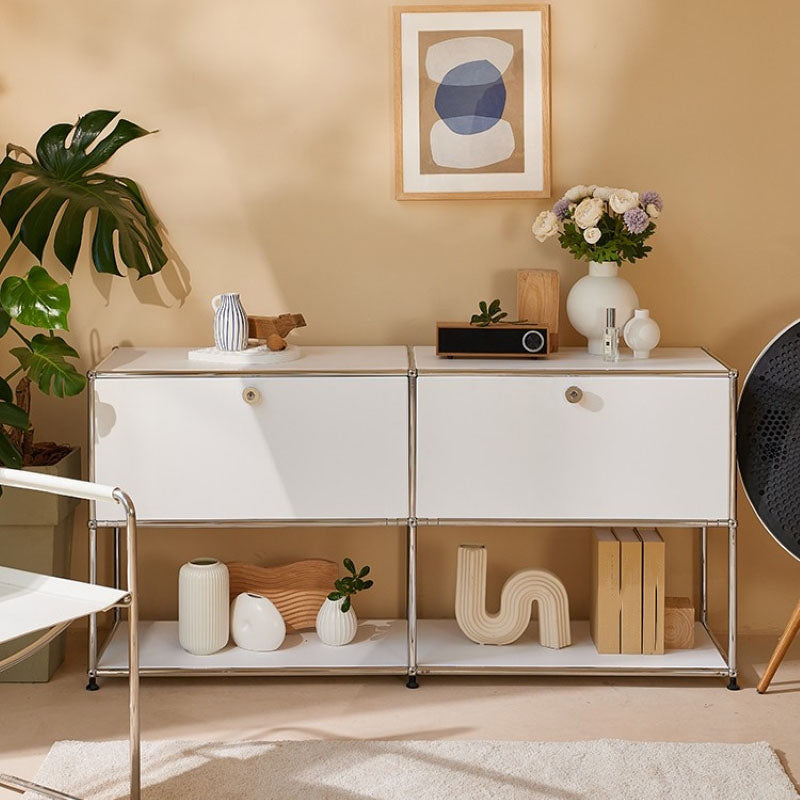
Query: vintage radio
500	340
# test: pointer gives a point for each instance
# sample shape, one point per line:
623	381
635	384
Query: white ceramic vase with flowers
605	227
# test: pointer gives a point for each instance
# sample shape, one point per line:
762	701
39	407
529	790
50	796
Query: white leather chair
30	602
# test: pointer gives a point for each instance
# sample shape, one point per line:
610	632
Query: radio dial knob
533	341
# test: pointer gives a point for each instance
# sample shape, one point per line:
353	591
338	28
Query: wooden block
630	590
678	623
538	299
606	601
653	562
298	590
270	329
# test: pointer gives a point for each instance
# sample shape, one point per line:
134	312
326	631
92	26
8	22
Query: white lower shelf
442	648
380	647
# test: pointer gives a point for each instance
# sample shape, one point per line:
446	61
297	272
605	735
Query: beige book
606	607
652	591
630	590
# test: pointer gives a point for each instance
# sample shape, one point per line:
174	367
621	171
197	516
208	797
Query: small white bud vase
589	298
642	333
203	612
256	624
230	322
333	627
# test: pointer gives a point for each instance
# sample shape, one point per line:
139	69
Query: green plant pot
36	535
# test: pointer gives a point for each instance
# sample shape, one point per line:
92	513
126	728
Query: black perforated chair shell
768	438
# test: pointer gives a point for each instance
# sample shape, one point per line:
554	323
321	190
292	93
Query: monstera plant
49	195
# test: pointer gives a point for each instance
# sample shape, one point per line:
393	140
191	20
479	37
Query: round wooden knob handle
251	396
573	394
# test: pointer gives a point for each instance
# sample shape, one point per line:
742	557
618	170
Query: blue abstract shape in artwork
471	97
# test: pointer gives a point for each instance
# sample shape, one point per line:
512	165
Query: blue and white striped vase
230	322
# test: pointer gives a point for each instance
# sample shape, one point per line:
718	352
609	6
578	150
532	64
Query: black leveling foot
92	685
411	683
733	685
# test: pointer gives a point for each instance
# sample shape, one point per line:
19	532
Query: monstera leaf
44	362
35	300
62	178
14	417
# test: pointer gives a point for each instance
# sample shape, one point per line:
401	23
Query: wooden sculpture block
606	609
653	564
538	299
297	590
519	593
630	546
273	330
678	623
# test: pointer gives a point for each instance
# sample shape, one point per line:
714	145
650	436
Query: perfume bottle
611	336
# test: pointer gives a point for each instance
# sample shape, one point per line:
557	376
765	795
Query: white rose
592	235
622	200
588	212
603	192
577	193
652	211
545	225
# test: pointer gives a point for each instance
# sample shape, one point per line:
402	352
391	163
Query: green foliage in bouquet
616	243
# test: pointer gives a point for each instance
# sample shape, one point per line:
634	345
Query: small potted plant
605	227
48	195
336	621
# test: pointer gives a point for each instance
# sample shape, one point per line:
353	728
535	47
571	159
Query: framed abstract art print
472	101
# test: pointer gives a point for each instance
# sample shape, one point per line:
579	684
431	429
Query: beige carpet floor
418	770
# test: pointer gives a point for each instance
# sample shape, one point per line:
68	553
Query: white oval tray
255	354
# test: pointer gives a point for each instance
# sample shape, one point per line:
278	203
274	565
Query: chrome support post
704	575
92	686
732	607
133	642
117	572
411	523
411	607
733	684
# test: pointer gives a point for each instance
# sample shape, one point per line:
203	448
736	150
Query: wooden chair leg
783	645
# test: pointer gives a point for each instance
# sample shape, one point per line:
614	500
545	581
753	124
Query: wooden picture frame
443	149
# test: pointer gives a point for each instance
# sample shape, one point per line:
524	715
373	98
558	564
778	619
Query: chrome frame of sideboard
412	524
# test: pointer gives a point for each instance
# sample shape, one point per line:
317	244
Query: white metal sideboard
390	432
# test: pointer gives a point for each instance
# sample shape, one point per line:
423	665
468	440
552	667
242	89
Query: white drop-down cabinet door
635	446
328	442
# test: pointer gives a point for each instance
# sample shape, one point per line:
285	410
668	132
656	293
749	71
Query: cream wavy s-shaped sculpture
519	592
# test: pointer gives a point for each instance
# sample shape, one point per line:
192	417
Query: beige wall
273	173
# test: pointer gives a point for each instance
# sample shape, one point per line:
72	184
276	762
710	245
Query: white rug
419	770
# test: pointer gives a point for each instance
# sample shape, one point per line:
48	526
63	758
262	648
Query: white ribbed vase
230	322
334	627
203	613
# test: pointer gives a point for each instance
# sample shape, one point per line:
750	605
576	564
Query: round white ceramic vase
641	333
589	298
256	624
334	627
203	614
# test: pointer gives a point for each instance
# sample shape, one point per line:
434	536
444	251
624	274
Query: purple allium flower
561	207
636	220
651	198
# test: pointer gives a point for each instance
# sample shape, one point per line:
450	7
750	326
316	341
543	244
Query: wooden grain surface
538	299
297	590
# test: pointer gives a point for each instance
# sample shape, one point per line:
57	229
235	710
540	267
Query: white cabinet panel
310	448
512	447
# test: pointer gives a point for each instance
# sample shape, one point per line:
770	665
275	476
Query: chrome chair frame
86	490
